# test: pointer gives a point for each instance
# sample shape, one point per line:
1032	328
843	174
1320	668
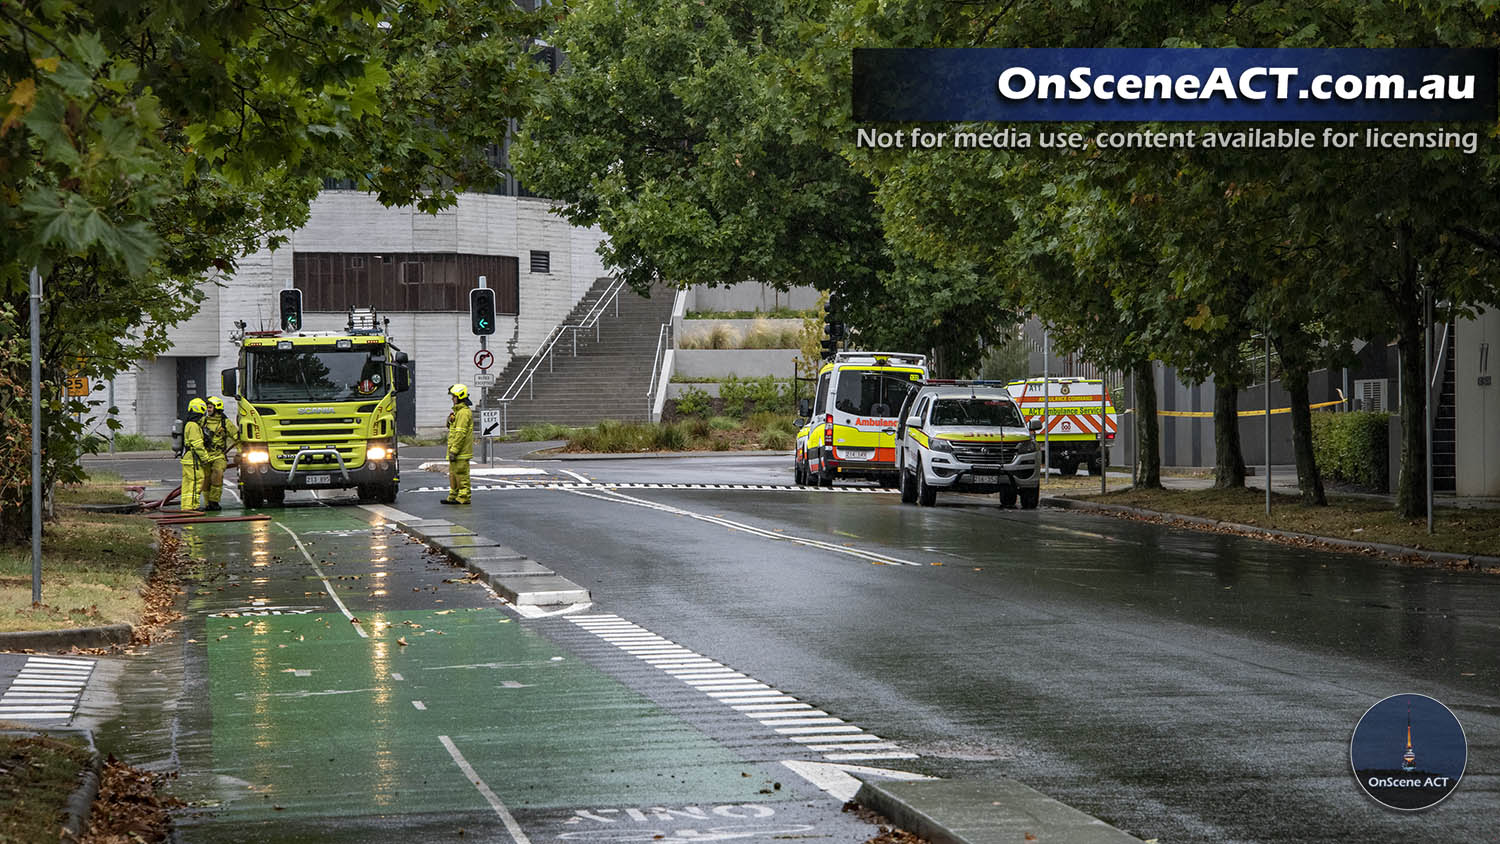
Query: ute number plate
319	479
986	478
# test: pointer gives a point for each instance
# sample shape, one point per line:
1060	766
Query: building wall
1476	350
439	343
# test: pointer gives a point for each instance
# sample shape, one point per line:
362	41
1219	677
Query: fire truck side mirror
403	375
231	379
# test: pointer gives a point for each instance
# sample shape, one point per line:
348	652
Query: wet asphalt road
1179	685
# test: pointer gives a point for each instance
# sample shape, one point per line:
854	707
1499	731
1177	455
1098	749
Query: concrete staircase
609	376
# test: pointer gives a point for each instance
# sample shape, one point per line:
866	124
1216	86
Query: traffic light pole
36	437
484	401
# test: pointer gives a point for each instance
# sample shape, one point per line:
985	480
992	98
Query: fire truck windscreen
313	374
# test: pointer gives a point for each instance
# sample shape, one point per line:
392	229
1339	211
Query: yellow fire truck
850	432
1071	422
317	410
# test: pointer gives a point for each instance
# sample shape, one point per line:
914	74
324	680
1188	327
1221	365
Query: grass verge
37	773
92	573
1356	519
721	433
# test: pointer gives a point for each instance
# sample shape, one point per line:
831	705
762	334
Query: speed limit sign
484	358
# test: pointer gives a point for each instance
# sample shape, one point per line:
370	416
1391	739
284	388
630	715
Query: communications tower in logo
1409	759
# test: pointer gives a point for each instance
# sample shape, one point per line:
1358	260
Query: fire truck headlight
1026	447
375	452
256	457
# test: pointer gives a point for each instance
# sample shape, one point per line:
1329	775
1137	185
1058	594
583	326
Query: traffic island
515	578
1000	811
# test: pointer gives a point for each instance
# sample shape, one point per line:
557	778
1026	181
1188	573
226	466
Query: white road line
505	816
419	706
869	556
790	718
38	716
49	660
854	757
397	677
327	587
799	731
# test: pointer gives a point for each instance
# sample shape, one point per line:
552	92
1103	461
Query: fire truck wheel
251	498
1030	497
926	495
276	497
1008	497
386	493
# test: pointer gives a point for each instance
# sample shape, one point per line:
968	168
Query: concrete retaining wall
750	296
744	363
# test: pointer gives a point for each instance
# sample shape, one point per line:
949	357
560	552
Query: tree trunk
1148	452
1411	488
1229	460
1309	481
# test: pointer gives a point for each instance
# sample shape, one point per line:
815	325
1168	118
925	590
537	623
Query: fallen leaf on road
401	640
225	636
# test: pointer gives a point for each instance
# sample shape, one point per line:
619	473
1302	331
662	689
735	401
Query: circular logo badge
1408	752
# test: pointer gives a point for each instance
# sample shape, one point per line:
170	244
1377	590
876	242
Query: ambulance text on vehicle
851	427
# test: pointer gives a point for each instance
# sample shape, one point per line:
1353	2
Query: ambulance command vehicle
850	432
317	410
1071	421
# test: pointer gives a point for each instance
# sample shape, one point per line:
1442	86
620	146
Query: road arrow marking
839	780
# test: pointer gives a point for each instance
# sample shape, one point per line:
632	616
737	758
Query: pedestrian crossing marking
835	738
46	689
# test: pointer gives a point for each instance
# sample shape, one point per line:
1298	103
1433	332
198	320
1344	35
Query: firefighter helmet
217	402
459	392
197	406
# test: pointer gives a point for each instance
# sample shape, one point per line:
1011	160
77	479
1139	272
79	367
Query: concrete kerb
987	812
519	580
1396	551
80	802
61	640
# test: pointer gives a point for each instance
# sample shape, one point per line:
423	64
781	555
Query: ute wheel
926	495
386	493
1008	497
908	487
1030	497
251	498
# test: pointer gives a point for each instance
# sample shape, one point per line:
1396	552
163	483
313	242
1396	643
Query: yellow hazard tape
1208	414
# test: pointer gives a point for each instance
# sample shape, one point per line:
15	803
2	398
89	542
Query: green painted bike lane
320	733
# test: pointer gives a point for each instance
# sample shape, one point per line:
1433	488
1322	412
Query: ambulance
850	428
1071	422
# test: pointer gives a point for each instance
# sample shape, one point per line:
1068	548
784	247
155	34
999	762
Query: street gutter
1399	552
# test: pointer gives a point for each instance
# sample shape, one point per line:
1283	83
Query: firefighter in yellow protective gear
195	456
220	435
460	445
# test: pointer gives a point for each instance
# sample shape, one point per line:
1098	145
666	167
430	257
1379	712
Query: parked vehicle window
976	412
820	403
870	393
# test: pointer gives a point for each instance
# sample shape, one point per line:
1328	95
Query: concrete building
416	268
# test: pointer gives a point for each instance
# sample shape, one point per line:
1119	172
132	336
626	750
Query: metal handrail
544	350
1438	371
662	338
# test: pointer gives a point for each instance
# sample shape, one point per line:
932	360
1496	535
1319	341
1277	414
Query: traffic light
482	310
291	310
830	347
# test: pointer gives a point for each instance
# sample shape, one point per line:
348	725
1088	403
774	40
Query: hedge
1351	447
